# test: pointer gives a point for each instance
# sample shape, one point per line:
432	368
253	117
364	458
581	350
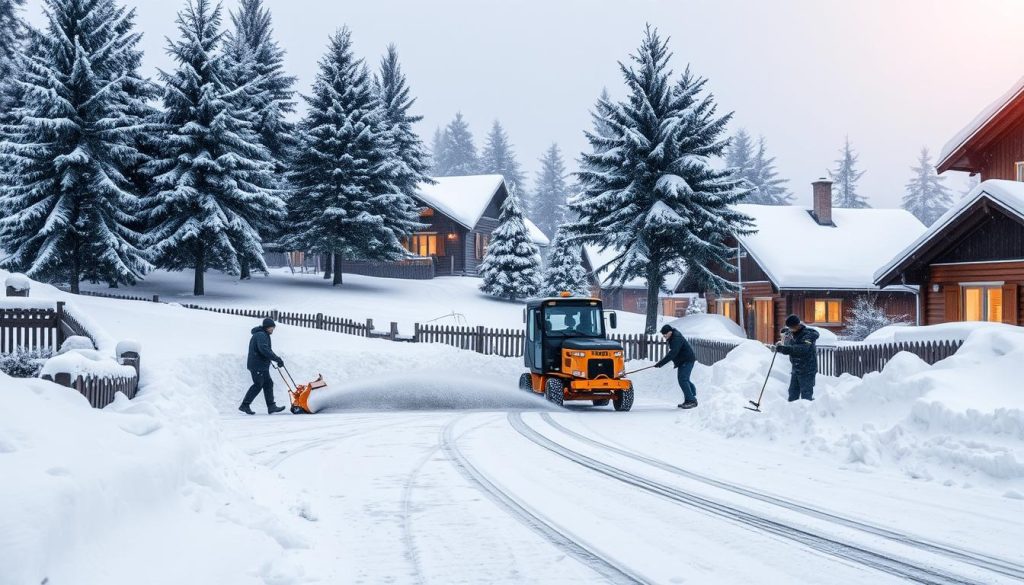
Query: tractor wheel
624	401
603	402
526	382
554	391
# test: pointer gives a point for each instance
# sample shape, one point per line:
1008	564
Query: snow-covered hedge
24	363
85	363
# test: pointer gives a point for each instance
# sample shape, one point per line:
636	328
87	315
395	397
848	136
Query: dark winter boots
245	408
689	404
273	409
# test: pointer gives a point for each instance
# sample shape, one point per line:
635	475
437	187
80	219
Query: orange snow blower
299	393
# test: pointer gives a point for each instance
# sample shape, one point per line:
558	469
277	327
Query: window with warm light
425	245
982	303
727	308
828	311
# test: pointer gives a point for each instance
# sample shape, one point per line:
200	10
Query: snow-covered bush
24	363
694	308
866	317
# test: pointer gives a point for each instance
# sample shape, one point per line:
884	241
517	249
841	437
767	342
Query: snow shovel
299	393
757	405
624	374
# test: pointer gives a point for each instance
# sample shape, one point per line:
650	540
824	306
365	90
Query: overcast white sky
894	75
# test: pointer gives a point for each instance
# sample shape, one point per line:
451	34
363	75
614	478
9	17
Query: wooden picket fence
99	391
857	360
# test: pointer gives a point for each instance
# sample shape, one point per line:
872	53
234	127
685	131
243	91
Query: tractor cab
569	355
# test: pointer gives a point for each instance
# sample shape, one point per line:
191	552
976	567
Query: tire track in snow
564	540
823	544
980	560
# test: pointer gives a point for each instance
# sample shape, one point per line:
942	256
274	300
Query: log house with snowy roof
814	263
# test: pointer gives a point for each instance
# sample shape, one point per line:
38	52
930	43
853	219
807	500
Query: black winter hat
268	323
665	328
792	321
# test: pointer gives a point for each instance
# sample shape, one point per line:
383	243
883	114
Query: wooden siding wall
949	277
895	304
998	161
444	225
998	237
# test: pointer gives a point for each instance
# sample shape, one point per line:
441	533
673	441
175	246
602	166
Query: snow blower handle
285	368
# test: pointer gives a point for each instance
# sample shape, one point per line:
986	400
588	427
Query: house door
764	317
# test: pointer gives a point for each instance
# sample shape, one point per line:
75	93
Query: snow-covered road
540	497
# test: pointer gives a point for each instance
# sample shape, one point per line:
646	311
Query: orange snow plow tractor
570	356
299	393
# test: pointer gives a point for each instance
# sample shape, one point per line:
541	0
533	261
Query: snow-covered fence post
479	339
18	285
393	332
129	353
275	315
369	327
416	333
319	320
156	298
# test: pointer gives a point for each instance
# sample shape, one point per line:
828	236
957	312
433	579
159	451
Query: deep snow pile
960	421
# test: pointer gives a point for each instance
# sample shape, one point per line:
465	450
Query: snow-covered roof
602	261
798	253
465	199
980	121
1007	194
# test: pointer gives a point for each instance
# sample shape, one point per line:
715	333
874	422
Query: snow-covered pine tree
649	188
844	179
438	153
927	197
551	194
499	157
739	155
511	269
396	100
565	271
271	90
66	201
459	151
768	187
12	31
345	199
866	317
213	184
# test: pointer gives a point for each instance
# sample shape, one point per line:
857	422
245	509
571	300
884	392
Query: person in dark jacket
681	354
261	354
799	346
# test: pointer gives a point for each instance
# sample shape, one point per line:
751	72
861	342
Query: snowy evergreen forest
106	175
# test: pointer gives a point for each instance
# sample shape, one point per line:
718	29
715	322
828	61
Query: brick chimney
822	211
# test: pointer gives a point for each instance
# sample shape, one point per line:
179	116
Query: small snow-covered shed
814	263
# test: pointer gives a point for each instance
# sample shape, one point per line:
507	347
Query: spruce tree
251	47
649	187
396	101
844	179
565	271
346	199
438	153
498	157
511	269
458	157
927	197
213	185
552	192
768	187
67	202
12	32
739	156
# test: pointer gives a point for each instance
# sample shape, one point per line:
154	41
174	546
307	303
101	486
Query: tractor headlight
618	354
577	354
577	373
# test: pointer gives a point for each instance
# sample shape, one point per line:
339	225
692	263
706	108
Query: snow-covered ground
446	300
428	466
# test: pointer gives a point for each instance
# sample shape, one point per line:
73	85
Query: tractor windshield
573	321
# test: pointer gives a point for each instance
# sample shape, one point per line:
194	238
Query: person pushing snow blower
799	346
261	354
682	356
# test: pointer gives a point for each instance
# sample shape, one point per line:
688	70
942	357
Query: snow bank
75	342
27	303
957	331
86	362
959	422
708	326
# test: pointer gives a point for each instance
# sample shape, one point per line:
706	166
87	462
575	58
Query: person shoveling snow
682	356
799	346
261	354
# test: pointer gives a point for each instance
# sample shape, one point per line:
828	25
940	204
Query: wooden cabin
970	263
814	263
992	144
631	296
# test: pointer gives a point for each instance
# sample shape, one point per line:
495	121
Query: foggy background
894	76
